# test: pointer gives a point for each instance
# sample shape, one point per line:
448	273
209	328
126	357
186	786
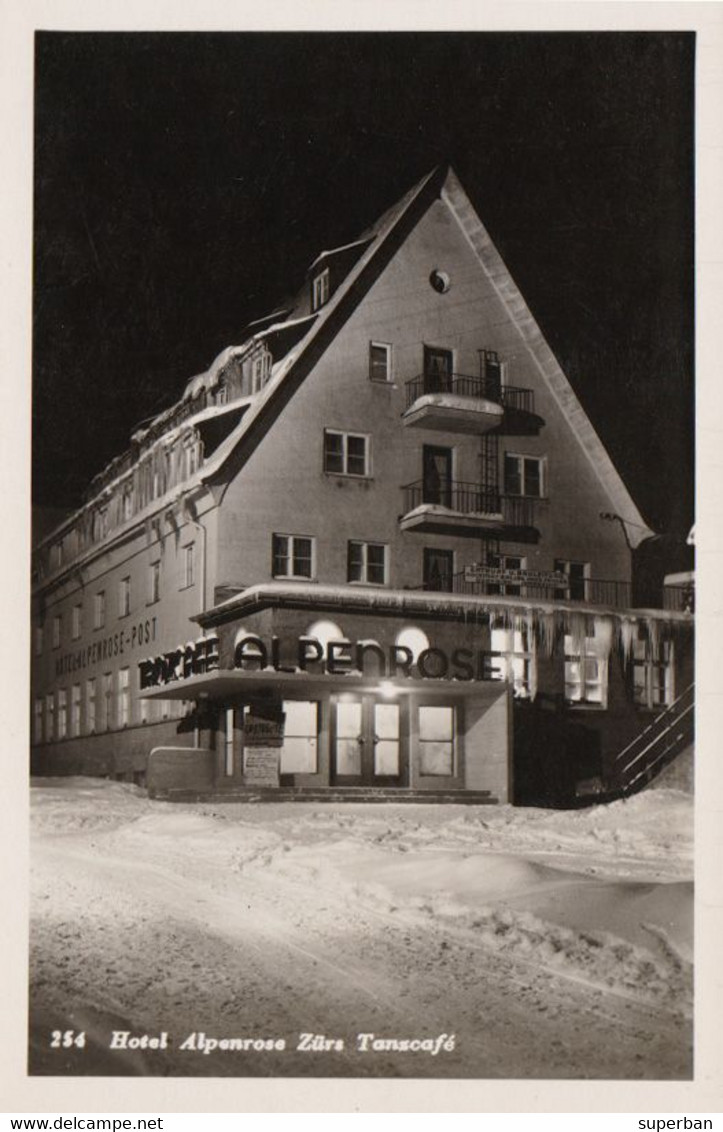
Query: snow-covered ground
539	943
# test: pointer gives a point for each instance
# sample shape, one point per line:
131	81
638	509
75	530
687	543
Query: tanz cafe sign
312	656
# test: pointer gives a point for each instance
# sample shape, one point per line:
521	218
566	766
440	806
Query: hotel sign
339	657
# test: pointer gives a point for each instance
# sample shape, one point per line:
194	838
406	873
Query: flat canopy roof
221	684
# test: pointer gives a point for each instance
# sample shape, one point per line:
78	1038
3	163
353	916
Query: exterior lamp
387	689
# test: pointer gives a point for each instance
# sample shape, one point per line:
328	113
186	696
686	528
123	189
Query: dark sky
184	182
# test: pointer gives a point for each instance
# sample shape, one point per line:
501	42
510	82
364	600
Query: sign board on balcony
494	574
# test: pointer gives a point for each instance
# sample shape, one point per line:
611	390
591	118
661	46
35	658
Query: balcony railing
471	499
530	584
680	599
460	385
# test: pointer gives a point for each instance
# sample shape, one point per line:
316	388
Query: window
229	741
99	610
76	621
653	673
577	574
221	395
75	710
301	728
524	475
38	721
124	697
58	553
108	700
144	706
49	717
507	563
62	713
154	582
57	623
90	708
191	458
189	564
292	556
436	741
438	570
367	562
124	597
127	504
39	635
320	290
260	370
513	659
586	672
380	361
346	453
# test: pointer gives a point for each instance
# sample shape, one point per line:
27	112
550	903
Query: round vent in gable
440	281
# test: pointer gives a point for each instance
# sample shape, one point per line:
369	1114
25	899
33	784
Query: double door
367	742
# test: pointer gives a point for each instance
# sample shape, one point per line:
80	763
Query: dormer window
320	289
260	370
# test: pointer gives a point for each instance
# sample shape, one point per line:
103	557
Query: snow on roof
289	322
337	251
409	602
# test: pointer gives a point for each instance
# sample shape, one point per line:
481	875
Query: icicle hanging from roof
604	635
627	634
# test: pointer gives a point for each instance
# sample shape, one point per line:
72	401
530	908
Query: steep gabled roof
385	238
547	364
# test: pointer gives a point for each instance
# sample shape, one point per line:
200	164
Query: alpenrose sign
335	658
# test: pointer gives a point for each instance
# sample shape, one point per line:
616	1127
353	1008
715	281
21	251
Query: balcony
456	402
486	580
467	509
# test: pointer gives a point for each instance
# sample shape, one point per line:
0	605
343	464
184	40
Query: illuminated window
380	361
76	621
75	710
90	705
108	700
653	673
124	697
436	741
62	713
292	556
524	475
301	729
586	673
346	453
367	562
513	659
49	717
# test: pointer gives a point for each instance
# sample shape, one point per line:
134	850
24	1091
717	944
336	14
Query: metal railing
679	599
591	591
461	385
471	499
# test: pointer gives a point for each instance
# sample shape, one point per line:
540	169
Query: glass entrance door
366	742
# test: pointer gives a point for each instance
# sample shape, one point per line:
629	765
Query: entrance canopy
228	683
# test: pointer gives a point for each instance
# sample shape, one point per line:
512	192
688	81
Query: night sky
184	183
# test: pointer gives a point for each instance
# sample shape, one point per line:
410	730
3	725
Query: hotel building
377	549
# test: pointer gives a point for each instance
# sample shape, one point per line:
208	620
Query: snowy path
338	921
